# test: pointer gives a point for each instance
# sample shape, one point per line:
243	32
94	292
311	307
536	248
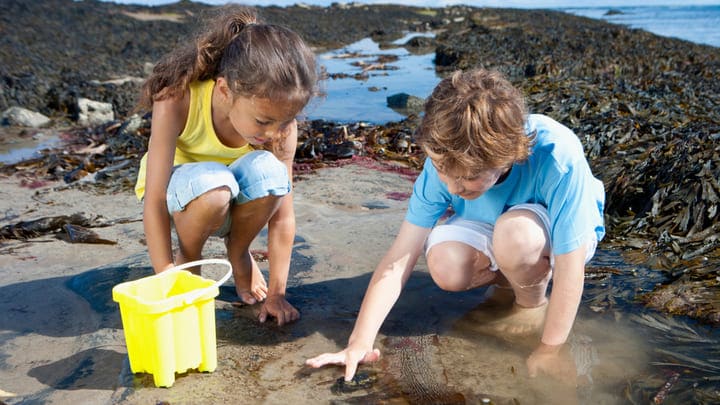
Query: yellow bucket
169	321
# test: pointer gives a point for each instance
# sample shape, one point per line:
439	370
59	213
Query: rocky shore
646	108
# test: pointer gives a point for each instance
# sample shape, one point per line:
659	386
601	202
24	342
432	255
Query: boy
526	209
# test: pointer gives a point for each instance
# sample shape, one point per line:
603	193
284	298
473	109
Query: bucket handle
192	296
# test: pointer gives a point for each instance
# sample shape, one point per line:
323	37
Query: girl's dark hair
256	59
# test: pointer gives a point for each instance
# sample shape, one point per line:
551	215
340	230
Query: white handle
195	294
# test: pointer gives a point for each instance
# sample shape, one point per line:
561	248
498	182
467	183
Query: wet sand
61	339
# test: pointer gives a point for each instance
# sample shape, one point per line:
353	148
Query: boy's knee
446	280
519	239
449	264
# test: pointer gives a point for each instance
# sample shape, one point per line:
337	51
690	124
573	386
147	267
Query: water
349	99
25	148
410	74
695	23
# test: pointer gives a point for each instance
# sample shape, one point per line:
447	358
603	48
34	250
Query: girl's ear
224	89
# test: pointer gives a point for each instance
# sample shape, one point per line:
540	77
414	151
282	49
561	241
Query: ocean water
349	99
695	23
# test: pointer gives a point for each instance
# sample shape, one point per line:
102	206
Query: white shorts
479	234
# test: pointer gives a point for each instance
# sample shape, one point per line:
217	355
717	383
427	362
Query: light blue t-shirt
556	175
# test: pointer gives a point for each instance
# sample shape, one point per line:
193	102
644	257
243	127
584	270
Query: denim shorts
254	175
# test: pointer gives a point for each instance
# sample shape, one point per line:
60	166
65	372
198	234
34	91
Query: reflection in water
349	99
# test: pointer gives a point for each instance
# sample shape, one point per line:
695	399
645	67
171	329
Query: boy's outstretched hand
555	361
349	357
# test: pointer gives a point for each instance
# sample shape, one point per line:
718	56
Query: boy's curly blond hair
475	121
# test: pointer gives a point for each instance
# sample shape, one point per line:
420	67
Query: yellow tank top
198	141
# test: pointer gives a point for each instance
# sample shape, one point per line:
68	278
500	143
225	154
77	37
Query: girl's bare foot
251	288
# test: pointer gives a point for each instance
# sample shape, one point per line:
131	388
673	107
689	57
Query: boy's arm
568	281
382	293
281	235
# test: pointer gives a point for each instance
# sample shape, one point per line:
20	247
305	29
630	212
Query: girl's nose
271	132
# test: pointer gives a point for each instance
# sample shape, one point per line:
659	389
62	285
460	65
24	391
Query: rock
406	104
148	68
420	42
420	45
132	124
120	81
94	112
23	117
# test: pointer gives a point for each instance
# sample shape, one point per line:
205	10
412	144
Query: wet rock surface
645	107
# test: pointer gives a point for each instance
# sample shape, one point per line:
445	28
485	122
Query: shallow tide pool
349	99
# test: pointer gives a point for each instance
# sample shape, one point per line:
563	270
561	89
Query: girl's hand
349	357
278	307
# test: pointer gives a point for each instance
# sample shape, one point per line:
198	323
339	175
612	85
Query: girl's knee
217	199
209	210
260	174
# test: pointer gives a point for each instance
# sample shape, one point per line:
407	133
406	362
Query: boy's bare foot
251	288
520	321
498	297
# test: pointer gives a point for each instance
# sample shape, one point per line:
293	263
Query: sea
351	100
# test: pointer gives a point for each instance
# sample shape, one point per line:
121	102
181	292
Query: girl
220	154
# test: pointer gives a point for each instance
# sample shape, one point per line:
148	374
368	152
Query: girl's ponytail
198	61
222	30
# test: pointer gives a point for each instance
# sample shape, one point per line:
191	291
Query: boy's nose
454	187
